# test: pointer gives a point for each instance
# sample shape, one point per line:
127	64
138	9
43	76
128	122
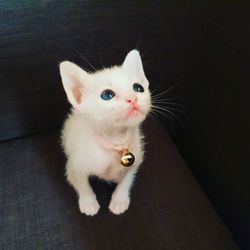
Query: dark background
201	47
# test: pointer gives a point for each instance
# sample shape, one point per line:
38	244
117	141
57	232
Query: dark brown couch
38	209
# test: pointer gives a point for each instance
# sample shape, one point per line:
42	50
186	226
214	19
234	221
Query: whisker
169	103
84	58
163	93
157	108
167	99
153	91
159	94
158	112
176	117
164	108
169	90
177	110
145	52
154	111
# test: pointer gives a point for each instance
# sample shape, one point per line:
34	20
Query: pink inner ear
77	92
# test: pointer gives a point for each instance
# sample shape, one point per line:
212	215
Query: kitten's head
113	97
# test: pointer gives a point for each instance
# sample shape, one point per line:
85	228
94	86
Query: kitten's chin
134	119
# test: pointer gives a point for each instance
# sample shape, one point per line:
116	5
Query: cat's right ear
73	78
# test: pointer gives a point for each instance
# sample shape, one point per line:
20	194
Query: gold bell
127	158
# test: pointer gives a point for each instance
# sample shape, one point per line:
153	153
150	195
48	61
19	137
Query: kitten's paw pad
89	207
119	206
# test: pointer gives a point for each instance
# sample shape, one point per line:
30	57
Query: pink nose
131	99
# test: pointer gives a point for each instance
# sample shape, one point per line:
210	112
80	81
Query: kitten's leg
120	198
87	199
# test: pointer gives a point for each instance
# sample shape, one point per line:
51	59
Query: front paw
89	206
119	205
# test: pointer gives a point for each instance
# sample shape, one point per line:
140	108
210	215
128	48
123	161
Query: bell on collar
127	158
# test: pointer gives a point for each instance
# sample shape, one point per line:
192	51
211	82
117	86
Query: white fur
92	117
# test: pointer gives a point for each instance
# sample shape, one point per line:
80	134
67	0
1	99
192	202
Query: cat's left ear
73	79
133	65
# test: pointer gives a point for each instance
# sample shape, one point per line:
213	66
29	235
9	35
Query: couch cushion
39	209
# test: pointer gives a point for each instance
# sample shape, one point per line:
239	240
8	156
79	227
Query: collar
108	144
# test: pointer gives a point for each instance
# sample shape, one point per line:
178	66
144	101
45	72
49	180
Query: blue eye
107	94
138	88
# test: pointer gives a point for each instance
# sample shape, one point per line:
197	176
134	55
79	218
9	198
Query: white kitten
108	108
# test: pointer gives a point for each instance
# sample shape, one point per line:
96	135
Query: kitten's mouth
132	112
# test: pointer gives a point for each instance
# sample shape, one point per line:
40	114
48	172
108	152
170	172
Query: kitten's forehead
114	78
119	79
